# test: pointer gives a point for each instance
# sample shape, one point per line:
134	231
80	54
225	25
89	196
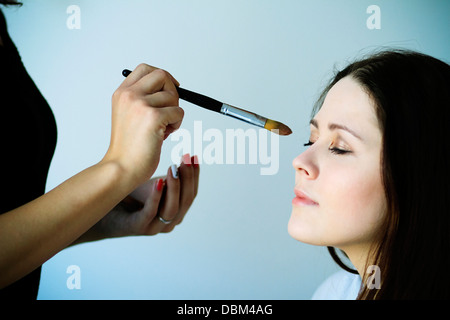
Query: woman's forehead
348	104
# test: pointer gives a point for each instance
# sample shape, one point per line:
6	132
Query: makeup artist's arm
144	112
168	197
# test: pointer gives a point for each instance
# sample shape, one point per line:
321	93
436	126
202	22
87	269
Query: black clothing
28	140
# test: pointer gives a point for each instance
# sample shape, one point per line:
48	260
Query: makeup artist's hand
139	214
144	112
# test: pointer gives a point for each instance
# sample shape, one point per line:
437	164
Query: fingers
145	112
153	194
142	70
162	99
196	174
157	80
156	86
142	193
171	116
189	173
170	205
179	193
150	81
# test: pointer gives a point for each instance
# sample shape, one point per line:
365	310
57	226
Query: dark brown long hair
411	92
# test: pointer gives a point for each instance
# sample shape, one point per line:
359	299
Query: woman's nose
306	165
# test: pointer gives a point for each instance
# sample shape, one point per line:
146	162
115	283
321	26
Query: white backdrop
271	57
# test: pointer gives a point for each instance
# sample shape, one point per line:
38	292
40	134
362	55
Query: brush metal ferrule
243	115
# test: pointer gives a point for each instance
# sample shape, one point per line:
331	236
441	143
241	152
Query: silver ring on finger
164	220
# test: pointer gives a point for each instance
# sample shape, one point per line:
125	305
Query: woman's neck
359	255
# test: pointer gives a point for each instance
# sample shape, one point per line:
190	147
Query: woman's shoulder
341	285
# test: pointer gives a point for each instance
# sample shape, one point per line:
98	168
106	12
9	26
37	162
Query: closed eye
333	150
339	151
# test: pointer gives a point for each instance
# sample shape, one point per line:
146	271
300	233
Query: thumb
151	205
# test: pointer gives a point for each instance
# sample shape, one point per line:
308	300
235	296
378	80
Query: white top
342	285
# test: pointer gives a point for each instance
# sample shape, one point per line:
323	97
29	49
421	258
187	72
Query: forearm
144	112
34	232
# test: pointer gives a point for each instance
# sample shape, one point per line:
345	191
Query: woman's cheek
357	208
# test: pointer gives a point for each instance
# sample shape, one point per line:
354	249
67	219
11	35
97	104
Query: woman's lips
301	199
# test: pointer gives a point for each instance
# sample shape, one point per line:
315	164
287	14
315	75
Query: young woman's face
340	198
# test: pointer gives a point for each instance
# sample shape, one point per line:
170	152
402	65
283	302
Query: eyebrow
335	126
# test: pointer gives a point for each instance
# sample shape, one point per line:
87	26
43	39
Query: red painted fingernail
187	159
195	161
159	185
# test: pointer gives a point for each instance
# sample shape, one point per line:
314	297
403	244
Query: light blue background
272	57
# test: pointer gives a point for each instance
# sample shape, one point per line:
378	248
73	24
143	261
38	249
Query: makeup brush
228	110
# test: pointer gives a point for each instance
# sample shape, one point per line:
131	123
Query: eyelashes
339	151
333	150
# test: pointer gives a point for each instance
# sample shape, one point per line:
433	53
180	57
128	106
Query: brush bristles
278	127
